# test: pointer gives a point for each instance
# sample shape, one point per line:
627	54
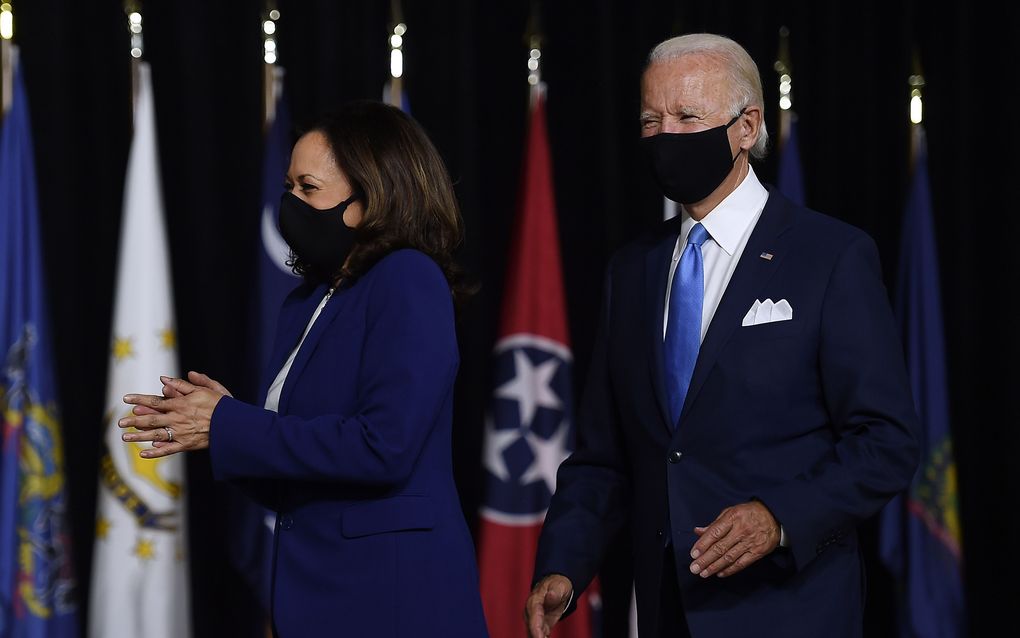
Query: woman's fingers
147	422
203	380
154	401
170	393
154	436
180	385
159	451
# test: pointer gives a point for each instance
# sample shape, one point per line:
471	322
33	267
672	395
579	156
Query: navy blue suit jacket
813	417
370	536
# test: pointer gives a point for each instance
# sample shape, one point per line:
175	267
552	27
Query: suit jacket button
658	533
674	456
286	521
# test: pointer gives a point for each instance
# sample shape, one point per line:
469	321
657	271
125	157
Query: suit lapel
752	272
293	318
329	312
657	263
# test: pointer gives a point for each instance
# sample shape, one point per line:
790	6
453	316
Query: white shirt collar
729	220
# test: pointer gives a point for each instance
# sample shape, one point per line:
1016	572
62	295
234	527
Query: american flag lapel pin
766	256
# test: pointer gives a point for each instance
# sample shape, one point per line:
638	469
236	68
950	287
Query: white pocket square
768	312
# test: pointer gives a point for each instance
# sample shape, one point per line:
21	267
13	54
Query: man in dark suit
747	404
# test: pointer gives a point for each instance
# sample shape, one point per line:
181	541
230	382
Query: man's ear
750	124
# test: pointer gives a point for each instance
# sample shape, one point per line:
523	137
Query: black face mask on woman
689	166
319	237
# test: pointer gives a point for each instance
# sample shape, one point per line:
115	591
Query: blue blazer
370	537
813	417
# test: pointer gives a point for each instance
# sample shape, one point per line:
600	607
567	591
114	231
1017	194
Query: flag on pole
790	177
920	532
140	566
36	582
275	278
395	95
251	542
530	423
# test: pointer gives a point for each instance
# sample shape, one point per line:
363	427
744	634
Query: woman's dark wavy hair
404	188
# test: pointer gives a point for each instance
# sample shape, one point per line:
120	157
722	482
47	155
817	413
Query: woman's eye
307	187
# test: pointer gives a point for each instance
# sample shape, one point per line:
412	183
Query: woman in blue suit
351	446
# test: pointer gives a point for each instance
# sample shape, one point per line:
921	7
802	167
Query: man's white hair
745	82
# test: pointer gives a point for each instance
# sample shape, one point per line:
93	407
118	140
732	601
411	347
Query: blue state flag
275	277
252	543
36	581
790	177
921	532
395	95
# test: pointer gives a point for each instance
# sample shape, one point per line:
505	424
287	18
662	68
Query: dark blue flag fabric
36	582
790	178
275	278
252	543
395	95
921	533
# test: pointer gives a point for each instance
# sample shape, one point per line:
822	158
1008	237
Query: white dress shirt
273	396
729	225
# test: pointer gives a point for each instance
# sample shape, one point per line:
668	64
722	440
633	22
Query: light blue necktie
683	327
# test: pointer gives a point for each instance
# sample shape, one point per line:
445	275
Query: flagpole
272	75
6	56
783	68
133	9
533	39
396	43
916	82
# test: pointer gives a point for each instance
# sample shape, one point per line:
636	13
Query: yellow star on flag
168	339
145	549
102	527
122	348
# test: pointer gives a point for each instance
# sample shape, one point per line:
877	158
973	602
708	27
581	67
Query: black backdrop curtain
465	76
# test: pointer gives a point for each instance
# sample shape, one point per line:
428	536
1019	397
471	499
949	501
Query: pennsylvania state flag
36	583
921	534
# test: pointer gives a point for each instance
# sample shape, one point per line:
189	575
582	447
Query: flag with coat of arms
140	567
37	587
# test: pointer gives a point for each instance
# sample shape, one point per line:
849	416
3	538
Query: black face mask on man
689	166
319	237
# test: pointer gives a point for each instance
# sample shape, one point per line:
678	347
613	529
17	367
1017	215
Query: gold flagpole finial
269	18
533	39
272	75
396	43
134	14
133	9
6	55
783	68
916	82
6	21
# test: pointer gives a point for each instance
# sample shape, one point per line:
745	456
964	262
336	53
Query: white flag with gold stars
140	567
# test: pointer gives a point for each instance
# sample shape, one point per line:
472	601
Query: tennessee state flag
530	422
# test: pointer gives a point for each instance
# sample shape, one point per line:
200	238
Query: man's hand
741	535
547	602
